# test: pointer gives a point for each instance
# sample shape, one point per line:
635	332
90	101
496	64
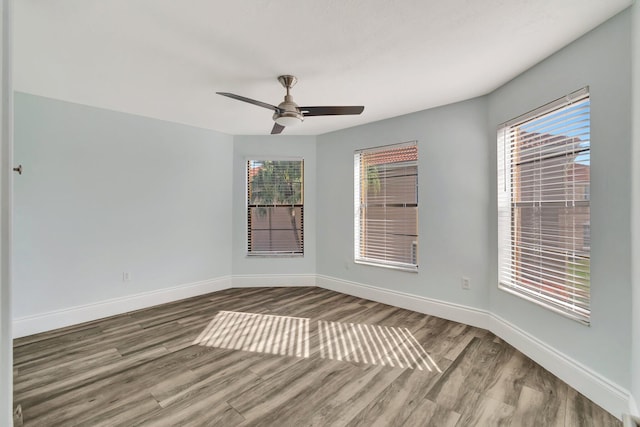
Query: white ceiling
166	59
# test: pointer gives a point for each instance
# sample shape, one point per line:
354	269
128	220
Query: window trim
560	306
274	254
363	260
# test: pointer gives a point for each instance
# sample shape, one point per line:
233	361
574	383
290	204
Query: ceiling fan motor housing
289	114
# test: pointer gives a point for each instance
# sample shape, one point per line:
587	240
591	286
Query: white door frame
6	171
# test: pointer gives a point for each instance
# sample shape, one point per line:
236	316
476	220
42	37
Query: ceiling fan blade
250	101
277	129
331	111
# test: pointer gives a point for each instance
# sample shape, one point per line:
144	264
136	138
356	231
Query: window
386	206
275	211
544	205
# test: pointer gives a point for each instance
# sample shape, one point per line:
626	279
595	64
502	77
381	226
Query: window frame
510	269
248	206
371	261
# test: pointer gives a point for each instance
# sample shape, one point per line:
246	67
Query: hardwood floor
286	357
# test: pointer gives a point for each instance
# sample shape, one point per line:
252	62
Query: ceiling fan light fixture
288	119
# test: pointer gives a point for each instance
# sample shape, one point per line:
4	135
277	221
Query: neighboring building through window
544	195
386	206
275	208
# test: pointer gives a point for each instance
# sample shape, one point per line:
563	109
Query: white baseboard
84	313
270	280
633	407
605	393
48	321
446	310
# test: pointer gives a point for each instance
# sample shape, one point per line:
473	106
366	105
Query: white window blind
544	232
275	208
386	206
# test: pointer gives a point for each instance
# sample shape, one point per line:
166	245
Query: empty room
329	213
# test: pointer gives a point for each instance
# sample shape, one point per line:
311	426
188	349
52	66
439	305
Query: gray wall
601	60
635	212
453	191
103	193
273	148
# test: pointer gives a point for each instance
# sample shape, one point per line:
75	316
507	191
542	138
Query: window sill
274	255
400	267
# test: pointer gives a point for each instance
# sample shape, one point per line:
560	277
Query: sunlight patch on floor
373	344
262	333
289	336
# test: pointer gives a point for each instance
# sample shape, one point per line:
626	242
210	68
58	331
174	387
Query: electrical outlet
466	283
126	276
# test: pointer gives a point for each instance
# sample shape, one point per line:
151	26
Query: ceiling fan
287	113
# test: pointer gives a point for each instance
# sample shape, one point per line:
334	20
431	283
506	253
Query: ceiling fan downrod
289	114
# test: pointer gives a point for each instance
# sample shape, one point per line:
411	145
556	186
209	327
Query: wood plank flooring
286	357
